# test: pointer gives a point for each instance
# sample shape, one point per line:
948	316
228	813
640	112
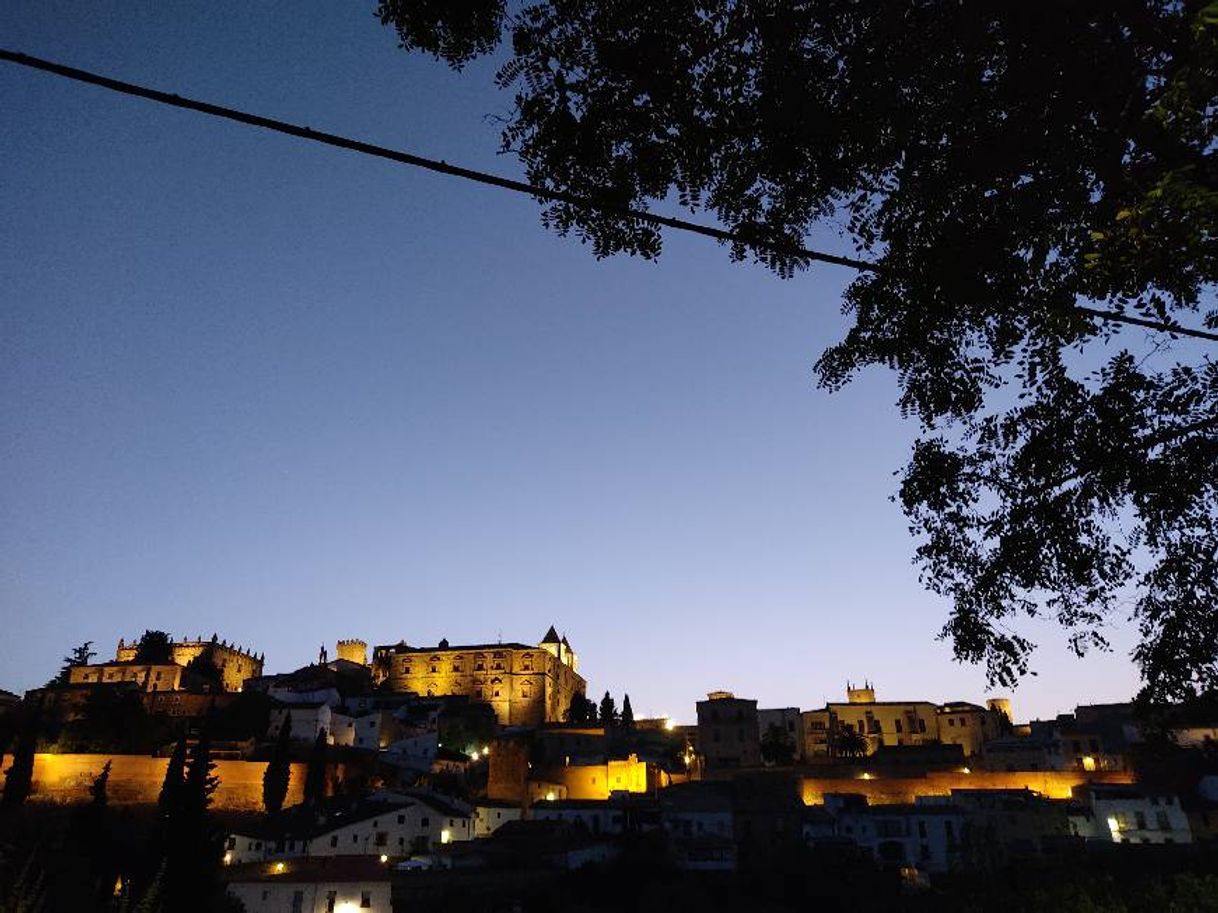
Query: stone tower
1001	705
353	651
863	695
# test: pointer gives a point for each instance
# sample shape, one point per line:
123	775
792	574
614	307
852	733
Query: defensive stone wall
1056	784
137	779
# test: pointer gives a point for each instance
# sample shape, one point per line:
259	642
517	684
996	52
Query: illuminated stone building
526	686
895	724
236	664
728	736
147	676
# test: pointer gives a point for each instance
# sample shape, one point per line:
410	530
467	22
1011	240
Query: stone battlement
235	663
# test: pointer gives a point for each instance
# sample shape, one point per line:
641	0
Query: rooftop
400	648
304	822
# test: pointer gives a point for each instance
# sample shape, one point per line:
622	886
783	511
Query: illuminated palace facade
525	685
236	664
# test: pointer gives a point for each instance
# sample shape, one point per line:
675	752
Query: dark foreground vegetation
95	858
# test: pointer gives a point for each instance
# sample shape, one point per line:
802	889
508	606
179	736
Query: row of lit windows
458	665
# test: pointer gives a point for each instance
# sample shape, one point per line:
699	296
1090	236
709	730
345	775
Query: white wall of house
306	721
927	840
313	897
417	751
489	818
394	832
361	730
1141	819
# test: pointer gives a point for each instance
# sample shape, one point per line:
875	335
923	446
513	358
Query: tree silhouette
993	270
203	665
200	781
577	710
97	790
19	778
581	710
175	775
847	743
315	773
91	843
627	717
154	647
777	747
608	710
80	656
192	847
279	769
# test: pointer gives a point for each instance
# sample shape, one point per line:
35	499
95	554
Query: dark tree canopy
608	710
154	647
777	747
581	710
1002	167
848	744
205	669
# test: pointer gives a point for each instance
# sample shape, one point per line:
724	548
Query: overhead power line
494	180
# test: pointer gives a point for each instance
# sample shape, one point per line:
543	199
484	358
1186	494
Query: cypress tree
278	770
627	713
192	848
90	842
98	790
608	710
200	782
315	776
175	775
19	779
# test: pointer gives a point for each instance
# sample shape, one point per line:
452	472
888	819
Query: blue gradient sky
289	394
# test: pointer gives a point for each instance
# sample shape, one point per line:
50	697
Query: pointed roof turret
551	636
564	642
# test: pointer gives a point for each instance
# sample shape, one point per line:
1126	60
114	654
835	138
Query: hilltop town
373	774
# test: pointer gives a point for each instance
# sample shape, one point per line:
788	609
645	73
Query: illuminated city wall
137	779
1056	784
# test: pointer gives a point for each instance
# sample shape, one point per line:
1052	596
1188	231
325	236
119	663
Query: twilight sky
288	394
